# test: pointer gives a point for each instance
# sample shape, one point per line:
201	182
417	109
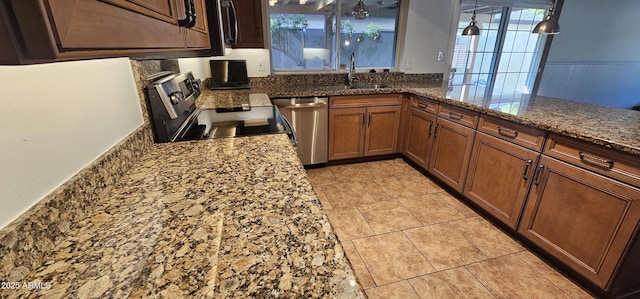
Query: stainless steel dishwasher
309	119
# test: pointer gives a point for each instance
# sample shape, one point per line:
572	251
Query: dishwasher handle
303	106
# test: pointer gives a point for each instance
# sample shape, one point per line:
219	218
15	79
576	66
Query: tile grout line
544	276
480	281
439	193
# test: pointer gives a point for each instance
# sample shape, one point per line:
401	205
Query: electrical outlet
261	65
440	55
408	64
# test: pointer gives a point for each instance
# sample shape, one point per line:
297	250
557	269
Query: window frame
401	28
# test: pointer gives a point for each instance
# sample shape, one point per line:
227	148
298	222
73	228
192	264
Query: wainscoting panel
613	84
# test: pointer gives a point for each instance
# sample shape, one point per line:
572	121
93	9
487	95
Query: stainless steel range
171	100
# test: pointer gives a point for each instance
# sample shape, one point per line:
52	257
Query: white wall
596	30
595	57
428	27
56	119
254	57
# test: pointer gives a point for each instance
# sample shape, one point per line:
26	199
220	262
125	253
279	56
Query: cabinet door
113	24
417	140
198	35
346	133
250	33
383	124
451	151
499	177
61	29
584	219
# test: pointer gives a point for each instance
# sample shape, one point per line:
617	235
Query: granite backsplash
315	80
26	240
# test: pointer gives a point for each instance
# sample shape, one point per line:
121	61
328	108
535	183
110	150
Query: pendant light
549	25
472	29
360	11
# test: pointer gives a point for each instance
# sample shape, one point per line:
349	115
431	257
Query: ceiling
380	8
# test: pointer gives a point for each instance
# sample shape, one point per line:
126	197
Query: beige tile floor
408	238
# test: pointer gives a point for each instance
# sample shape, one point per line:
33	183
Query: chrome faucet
352	69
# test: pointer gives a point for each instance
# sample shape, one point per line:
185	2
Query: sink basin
364	86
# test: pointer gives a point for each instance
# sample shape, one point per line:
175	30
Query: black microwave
222	18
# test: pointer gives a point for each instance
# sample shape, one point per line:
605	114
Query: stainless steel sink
364	86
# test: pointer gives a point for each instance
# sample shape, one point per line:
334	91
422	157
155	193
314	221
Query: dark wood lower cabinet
346	133
499	176
584	219
418	131
382	130
451	151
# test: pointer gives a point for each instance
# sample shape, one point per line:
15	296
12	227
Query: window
322	34
497	68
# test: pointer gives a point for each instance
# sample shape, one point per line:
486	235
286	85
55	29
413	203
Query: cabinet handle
507	132
597	161
455	115
526	170
435	130
190	15
430	127
538	174
422	105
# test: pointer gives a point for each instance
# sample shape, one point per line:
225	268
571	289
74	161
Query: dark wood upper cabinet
57	30
250	31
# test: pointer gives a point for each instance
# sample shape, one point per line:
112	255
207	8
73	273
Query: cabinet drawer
423	104
601	160
365	100
458	115
519	134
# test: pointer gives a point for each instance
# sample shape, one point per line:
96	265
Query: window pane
372	40
302	36
505	39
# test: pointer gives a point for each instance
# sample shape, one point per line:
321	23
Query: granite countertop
234	217
617	129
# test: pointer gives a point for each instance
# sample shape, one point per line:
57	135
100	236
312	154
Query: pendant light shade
472	29
360	11
549	25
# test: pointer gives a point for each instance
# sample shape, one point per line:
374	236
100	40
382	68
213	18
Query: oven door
224	123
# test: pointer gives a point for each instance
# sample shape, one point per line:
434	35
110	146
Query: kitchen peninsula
218	218
234	217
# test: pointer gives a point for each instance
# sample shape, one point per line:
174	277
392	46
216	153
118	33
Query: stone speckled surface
618	129
26	242
221	218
